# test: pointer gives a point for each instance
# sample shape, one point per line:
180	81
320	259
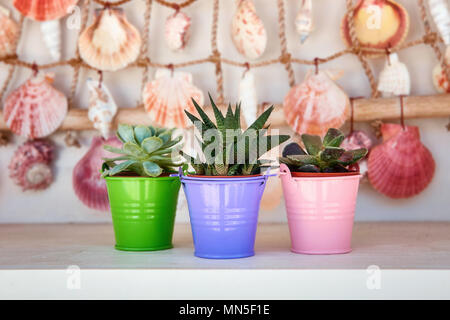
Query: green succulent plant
227	149
321	156
146	151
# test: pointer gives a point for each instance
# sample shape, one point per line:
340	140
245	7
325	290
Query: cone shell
379	24
441	16
176	31
304	20
30	166
401	166
168	95
247	30
110	43
44	10
316	105
9	31
51	34
248	97
35	109
394	78
87	182
440	80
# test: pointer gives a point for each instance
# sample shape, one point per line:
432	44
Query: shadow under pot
143	211
320	210
223	213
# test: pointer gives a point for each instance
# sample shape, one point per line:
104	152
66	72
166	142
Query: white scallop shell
248	97
440	12
394	79
177	30
102	107
51	34
247	30
304	20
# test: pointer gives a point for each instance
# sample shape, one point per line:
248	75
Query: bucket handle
284	172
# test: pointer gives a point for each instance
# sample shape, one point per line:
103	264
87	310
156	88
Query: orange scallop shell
316	105
44	10
9	31
35	109
379	24
401	166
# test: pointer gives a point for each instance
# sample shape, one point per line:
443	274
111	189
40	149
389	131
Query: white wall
59	204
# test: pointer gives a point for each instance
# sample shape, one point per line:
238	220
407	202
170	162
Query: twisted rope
144	48
215	56
285	57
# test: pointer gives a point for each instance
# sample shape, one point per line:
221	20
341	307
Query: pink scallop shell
87	182
44	10
35	109
9	31
316	105
401	166
166	98
176	31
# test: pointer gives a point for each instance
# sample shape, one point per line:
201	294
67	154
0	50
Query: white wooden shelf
414	262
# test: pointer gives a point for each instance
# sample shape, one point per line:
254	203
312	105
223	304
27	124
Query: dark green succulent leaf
237	115
134	150
308	168
220	119
262	119
142	132
247	169
234	169
171	143
273	141
125	133
331	154
113	149
287	161
151	168
121	167
352	156
152	144
333	138
313	144
230	119
301	159
292	148
208	123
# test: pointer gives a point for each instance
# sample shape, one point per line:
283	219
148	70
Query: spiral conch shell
168	95
247	30
51	33
110	43
394	79
102	107
177	30
9	31
316	105
248	97
30	166
304	20
35	109
379	24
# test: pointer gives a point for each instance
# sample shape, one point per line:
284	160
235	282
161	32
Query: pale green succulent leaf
141	133
151	169
152	144
125	133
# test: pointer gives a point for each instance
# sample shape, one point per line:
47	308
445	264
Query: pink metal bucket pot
320	212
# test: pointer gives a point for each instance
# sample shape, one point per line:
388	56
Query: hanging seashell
102	107
401	166
30	166
304	20
441	16
394	79
440	80
316	105
247	30
110	43
87	182
177	30
51	33
9	31
44	10
248	97
35	109
356	140
168	95
379	24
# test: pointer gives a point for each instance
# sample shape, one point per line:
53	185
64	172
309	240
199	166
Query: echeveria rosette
321	155
146	151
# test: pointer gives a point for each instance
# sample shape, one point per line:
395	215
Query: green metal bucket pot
143	211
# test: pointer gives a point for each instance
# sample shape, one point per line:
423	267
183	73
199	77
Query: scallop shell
177	30
51	34
248	97
9	31
394	79
168	95
87	182
102	107
44	10
110	43
304	20
247	30
379	24
401	166
35	109
316	105
441	16
30	166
